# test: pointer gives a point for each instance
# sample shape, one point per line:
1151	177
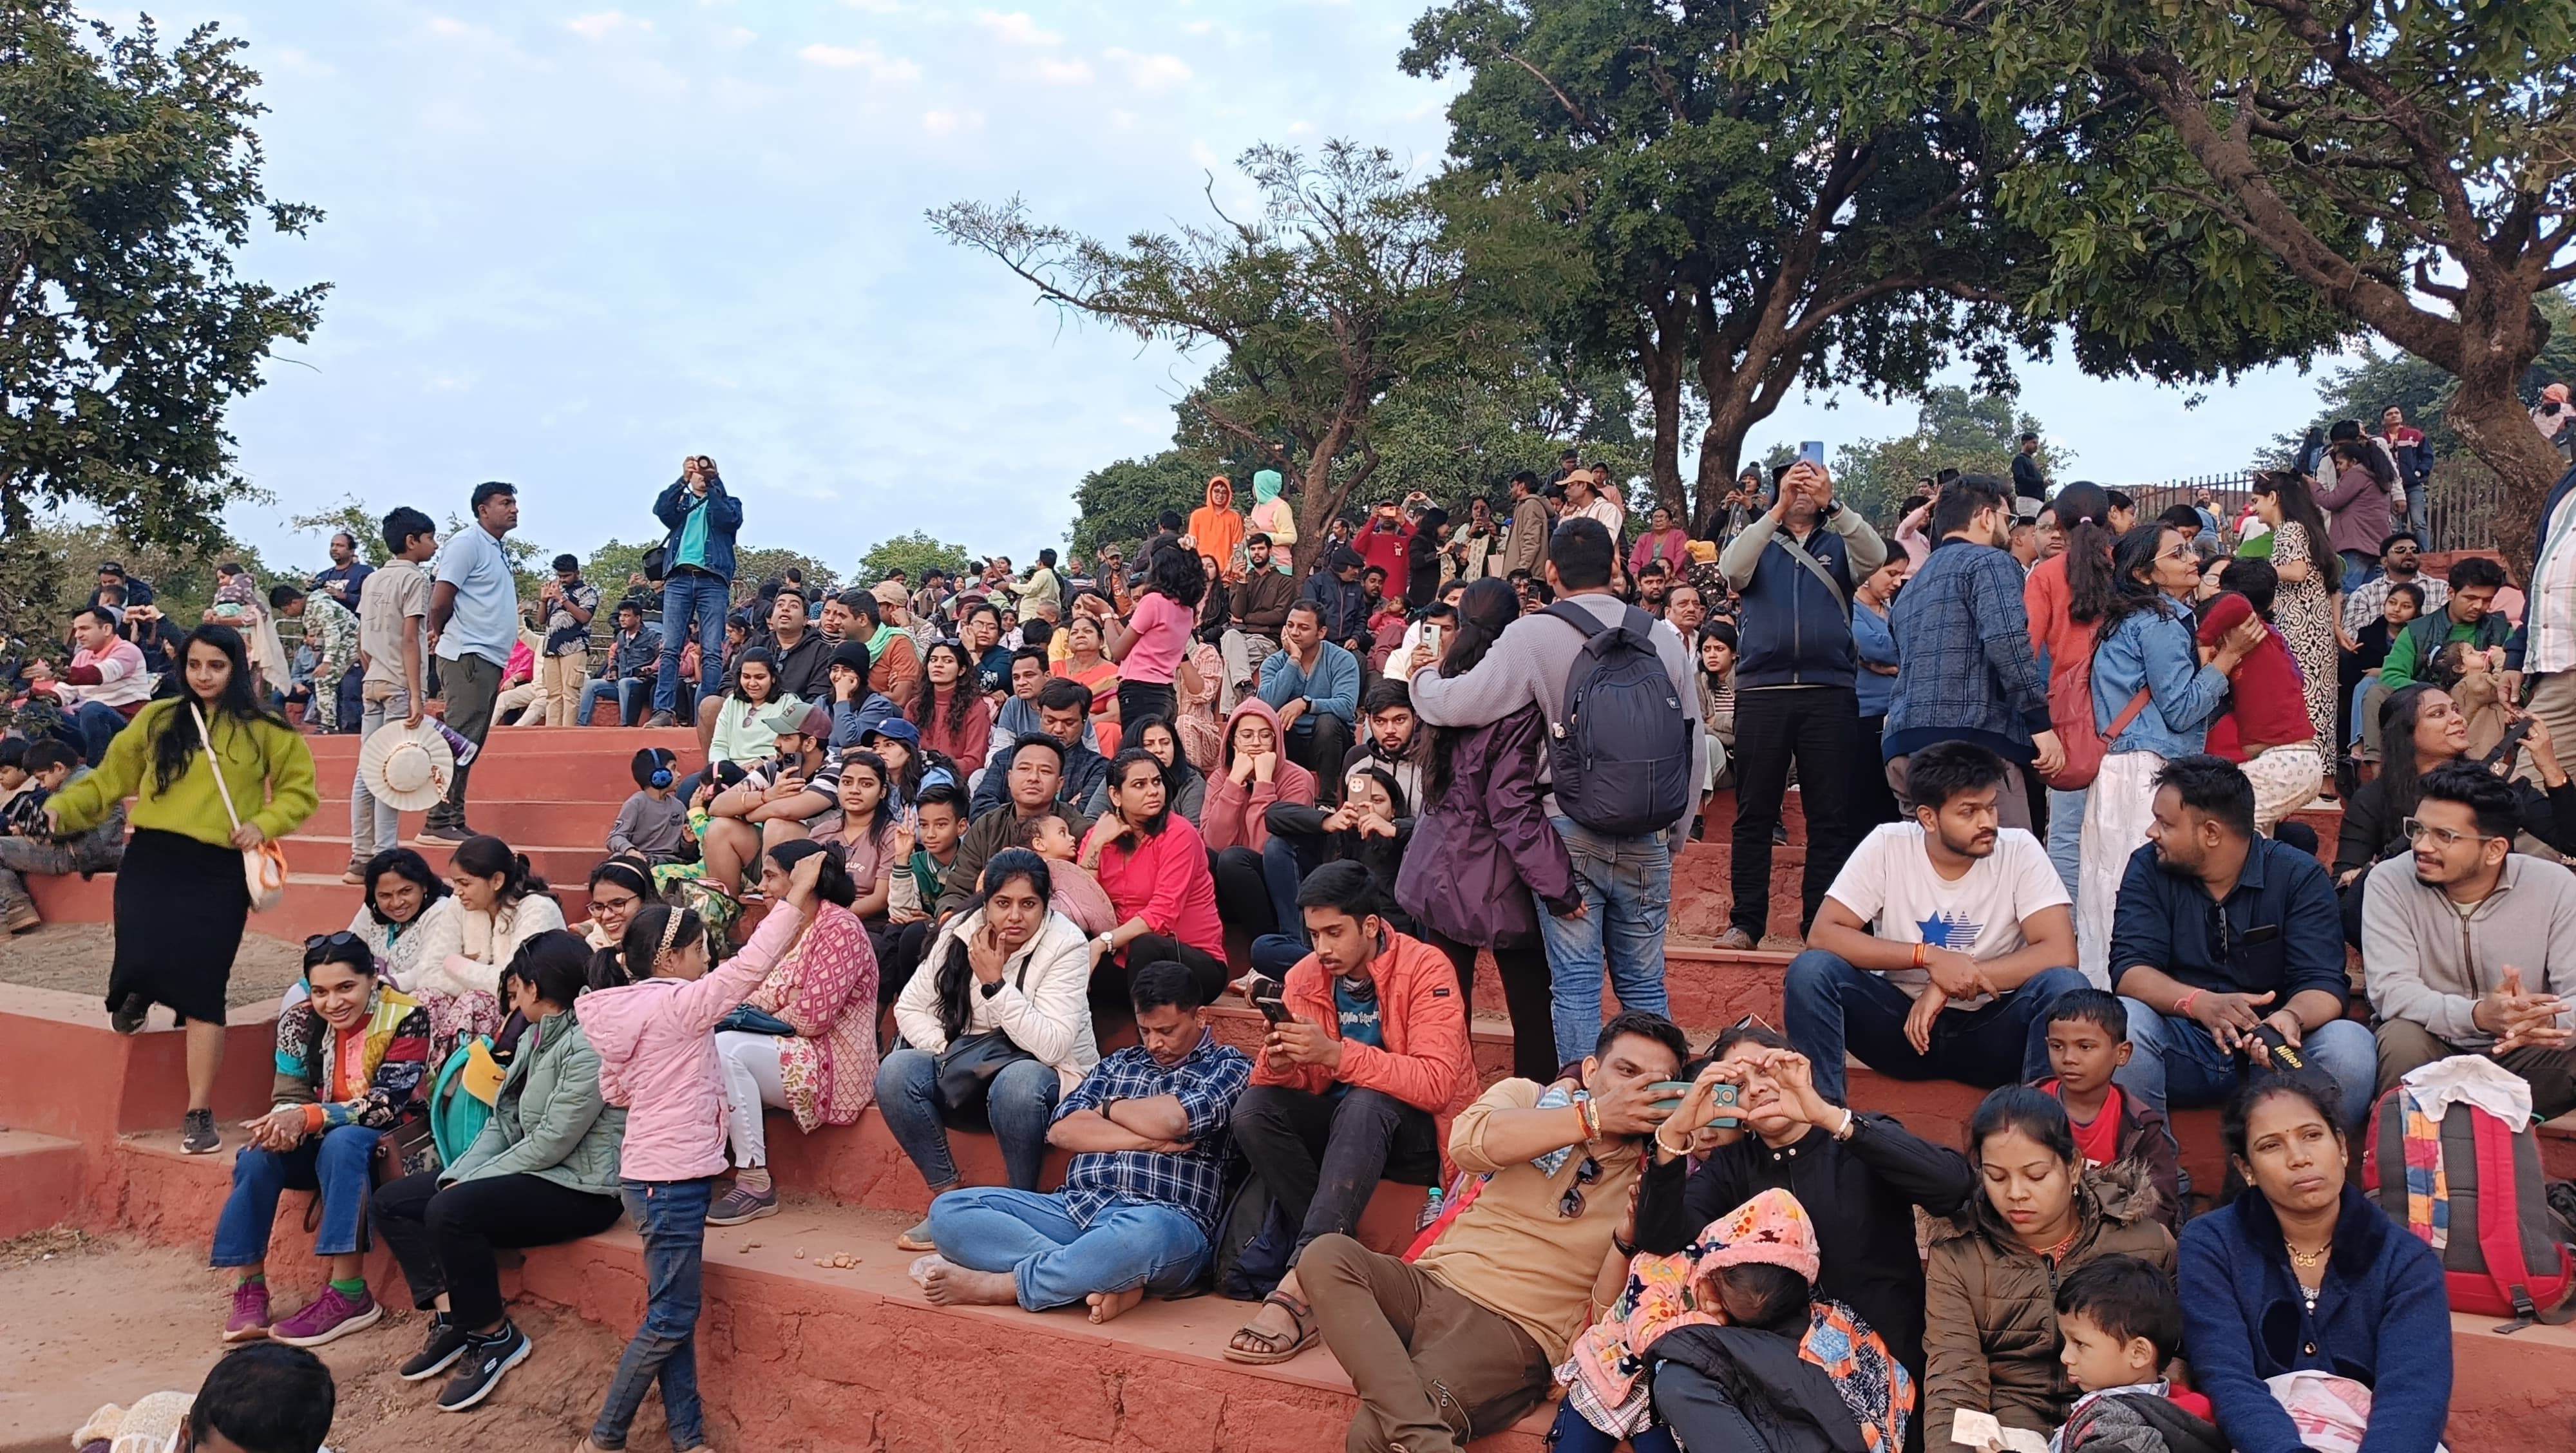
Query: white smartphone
1431	637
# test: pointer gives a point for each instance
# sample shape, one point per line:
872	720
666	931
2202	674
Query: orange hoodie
1423	1016
1216	529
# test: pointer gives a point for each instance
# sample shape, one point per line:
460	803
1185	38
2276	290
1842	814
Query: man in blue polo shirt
2222	936
473	623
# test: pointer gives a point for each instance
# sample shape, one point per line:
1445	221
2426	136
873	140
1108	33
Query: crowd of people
2048	757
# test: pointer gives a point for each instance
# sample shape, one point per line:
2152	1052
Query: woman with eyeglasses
618	887
1860	1176
543	1172
350	1061
2153	700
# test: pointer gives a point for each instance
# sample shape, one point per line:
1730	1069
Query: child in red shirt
2088	1040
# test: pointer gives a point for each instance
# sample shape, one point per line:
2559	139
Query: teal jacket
550	1121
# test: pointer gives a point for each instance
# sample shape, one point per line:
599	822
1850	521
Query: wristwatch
991	989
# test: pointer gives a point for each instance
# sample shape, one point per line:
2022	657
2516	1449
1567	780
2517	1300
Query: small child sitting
1077	894
2122	1324
2476	684
22	796
2088	1040
654	822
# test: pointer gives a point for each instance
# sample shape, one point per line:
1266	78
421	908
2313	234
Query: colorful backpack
461	1099
2472	1189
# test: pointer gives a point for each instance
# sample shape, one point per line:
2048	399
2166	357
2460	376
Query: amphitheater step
314	903
327	852
526	820
40	1180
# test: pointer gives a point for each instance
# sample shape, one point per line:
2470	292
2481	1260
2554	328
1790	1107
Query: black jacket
1261	602
1861	1194
1790	1401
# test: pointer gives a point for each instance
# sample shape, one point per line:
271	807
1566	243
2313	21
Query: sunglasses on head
343	939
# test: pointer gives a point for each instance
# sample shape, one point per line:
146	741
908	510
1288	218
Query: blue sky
571	243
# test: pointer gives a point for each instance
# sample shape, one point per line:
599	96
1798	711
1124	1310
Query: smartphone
1431	637
1813	452
1670	1093
1265	997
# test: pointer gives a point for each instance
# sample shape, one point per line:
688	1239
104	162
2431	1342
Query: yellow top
267	767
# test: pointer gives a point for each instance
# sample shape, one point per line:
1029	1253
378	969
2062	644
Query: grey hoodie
2425	961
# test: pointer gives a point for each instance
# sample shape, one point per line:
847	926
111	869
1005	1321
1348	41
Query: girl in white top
499	905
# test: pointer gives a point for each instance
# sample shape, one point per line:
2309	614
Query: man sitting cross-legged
1461	1341
1358	1084
1941	942
1139	1206
2469	947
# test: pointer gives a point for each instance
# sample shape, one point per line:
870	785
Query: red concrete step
523	820
314	903
40	1181
327	852
598	741
500	775
791	1347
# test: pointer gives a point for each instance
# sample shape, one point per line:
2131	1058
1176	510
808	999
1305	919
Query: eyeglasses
2416	827
1570	1205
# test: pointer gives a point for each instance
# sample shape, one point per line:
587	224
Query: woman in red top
2266	727
954	717
1155	868
2066	596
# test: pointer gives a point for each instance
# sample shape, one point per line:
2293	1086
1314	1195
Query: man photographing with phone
1366	1064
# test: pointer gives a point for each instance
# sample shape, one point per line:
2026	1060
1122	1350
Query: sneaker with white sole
486	1358
446	1343
249	1322
327	1318
197	1134
128	1016
741	1204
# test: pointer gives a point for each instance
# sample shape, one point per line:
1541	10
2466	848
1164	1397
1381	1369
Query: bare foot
947	1284
1106	1306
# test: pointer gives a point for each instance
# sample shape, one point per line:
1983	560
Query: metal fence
2460	514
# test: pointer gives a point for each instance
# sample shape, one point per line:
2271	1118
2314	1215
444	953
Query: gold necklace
2307	1260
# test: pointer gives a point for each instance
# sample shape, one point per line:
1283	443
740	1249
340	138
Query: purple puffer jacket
1482	850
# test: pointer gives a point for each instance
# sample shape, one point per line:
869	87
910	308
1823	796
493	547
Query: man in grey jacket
1625	884
2469	947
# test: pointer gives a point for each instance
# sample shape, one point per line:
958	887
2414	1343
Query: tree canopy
915	554
1974	433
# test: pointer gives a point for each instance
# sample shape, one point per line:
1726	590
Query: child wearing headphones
654	822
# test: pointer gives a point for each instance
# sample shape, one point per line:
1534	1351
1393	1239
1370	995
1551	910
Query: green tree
2361	390
364	525
756	564
915	554
133	178
1117	503
1346	289
2402	167
1974	433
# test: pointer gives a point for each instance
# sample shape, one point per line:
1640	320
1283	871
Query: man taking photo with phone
697	580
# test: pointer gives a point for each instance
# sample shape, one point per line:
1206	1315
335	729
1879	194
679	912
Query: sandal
1273	1347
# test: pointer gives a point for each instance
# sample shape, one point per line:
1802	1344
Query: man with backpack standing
1795	567
1963	638
1623	767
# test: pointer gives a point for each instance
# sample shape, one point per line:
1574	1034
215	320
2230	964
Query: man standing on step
1356	1085
1460	1342
473	623
1794	698
393	648
1942	942
1623	882
697	586
1140	1201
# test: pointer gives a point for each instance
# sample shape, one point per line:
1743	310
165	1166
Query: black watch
1832	508
991	989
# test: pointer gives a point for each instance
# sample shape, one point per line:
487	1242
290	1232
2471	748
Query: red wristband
2182	1006
1922	955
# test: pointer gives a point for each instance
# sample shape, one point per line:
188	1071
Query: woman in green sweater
181	898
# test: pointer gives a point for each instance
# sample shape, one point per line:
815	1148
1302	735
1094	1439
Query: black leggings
1207	971
1521	960
444	1238
1243	891
899	949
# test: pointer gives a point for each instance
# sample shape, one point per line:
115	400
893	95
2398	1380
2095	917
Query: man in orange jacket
1359	1083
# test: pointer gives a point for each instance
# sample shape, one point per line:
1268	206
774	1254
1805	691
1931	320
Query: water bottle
1430	1210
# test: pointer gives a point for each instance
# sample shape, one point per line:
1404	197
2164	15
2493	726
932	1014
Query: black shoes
480	1369
446	1343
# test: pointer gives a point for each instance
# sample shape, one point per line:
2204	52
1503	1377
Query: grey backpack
1621	757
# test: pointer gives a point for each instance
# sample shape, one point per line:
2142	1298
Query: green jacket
2410	656
550	1121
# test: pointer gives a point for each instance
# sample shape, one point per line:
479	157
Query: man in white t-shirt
1941	944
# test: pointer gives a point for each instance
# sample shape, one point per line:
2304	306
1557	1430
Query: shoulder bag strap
216	764
1816	568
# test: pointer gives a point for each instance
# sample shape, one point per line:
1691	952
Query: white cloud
601	24
1062	72
874	7
862	57
741	35
1154	72
948	123
1301	128
1014	27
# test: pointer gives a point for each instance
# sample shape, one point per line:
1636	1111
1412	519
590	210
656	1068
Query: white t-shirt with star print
1889	884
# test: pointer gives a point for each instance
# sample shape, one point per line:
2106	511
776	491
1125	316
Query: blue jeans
97	724
1284	865
629	694
672	1218
2173	1061
1627	890
1055	1259
333	1163
1020	1105
691	600
2359	567
2066	836
1573	1435
1831	1006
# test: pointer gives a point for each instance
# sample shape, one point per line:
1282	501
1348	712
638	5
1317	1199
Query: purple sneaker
328	1317
250	1313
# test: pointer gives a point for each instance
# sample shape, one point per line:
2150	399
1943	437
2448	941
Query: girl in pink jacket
651	1017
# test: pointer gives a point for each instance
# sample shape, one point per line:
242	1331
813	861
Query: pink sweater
657	1057
1166	882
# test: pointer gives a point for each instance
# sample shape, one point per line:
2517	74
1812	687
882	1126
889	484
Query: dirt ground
76	956
93	1322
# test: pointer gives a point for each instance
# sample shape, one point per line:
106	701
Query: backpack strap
2500	1229
1576	616
2128	716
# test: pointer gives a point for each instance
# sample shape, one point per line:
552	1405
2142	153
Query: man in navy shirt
2222	937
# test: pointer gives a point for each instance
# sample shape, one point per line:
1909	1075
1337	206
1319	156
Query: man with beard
1941	943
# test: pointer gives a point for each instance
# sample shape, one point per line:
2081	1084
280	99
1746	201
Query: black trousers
1873	800
1521	960
1138	700
1322	1156
1321	749
899	949
444	1238
1818	727
1206	969
1242	891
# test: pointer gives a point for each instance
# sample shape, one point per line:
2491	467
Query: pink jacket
1237	814
657	1057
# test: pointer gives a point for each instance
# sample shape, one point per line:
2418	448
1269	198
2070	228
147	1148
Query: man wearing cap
775	800
2550	416
1584	500
897	672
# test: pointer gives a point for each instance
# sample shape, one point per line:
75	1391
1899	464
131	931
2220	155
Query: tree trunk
2497	429
1664	352
1319	498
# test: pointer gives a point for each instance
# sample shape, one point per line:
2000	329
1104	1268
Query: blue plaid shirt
1206	1083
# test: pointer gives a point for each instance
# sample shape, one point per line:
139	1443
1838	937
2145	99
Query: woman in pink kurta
806	1039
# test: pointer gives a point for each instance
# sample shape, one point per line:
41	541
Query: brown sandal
1275	1348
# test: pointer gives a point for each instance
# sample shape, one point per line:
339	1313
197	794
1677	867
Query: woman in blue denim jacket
2147	645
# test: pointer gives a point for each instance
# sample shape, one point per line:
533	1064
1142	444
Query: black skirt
180	909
